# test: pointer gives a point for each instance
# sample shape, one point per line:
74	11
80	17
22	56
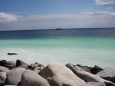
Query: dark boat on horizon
58	28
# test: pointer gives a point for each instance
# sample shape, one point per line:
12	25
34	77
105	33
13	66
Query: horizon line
61	29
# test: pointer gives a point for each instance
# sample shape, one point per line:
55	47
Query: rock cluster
20	73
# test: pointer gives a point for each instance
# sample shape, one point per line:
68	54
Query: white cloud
6	18
82	20
51	21
100	13
104	2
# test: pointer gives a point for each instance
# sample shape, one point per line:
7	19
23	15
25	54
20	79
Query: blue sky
49	14
44	6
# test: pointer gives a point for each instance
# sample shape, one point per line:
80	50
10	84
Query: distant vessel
59	28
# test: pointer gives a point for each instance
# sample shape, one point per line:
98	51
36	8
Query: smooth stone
108	74
59	75
85	68
12	54
4	69
22	64
88	77
8	64
2	78
13	63
14	76
38	65
30	78
3	62
96	69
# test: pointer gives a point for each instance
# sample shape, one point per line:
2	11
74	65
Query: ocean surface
87	46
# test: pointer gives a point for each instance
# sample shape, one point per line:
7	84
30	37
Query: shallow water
65	49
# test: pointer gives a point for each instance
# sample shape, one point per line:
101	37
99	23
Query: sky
50	14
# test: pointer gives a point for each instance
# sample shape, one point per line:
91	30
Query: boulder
4	69
8	64
22	64
88	77
30	78
85	68
95	69
14	76
2	78
108	74
36	67
59	75
12	54
13	63
3	62
94	84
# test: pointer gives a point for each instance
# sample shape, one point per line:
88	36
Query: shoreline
62	56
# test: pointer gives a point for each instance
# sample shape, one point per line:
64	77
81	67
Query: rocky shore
19	73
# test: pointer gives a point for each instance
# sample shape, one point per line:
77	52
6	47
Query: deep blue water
94	32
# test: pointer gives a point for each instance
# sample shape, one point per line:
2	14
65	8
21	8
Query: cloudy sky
49	14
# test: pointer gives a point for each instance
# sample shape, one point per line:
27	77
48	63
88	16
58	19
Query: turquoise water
78	50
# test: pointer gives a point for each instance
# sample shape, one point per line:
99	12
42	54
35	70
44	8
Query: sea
86	46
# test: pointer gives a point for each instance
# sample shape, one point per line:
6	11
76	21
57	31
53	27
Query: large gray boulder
31	78
88	77
14	76
95	69
8	64
2	78
4	69
108	74
3	63
22	64
59	75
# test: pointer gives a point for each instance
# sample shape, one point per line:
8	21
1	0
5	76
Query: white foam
64	55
